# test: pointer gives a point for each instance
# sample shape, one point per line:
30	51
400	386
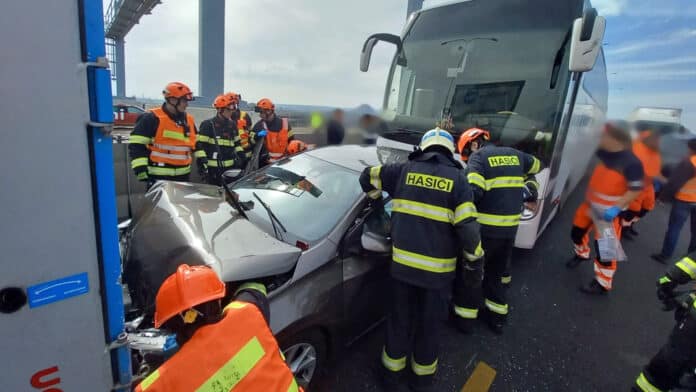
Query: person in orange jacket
222	349
277	130
617	180
647	149
243	121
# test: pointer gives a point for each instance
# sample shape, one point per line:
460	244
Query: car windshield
308	195
495	64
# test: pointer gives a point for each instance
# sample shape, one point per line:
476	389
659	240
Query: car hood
193	224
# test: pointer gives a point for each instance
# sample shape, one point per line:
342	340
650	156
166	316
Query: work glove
665	292
202	167
611	213
472	272
657	184
261	133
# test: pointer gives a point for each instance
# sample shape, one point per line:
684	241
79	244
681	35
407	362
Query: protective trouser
582	224
468	296
674	359
418	313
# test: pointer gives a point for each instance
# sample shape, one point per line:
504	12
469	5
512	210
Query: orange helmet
234	97
222	101
468	136
296	146
177	90
184	289
265	104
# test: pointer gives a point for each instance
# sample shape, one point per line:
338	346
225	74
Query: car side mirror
586	41
375	242
370	43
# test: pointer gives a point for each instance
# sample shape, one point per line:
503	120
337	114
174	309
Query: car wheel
305	355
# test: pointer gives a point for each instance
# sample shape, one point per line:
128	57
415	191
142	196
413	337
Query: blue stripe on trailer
99	84
57	290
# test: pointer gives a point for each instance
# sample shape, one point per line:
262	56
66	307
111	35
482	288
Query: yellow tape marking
481	379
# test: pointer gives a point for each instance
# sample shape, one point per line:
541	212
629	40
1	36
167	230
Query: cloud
610	7
300	51
672	38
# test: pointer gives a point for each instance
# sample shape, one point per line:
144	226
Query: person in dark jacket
335	131
220	140
501	179
680	190
676	357
433	220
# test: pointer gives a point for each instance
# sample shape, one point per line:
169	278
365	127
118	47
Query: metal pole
211	48
120	54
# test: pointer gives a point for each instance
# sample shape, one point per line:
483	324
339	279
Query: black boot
494	321
575	261
464	326
593	288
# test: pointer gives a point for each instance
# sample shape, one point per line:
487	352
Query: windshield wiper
275	222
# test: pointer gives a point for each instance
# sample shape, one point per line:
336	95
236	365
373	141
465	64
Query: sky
307	51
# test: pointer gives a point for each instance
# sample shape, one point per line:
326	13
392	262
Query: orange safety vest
687	192
606	186
277	142
171	146
238	353
651	160
241	130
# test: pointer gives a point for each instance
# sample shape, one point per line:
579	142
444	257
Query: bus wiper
275	222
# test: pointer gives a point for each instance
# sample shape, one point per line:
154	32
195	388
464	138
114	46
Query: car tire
306	354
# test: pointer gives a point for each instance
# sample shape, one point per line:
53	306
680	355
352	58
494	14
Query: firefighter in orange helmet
278	131
616	181
243	120
163	142
220	139
647	149
232	348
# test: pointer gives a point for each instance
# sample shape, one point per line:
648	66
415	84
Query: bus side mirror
586	42
370	43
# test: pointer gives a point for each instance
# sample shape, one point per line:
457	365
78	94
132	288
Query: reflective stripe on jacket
497	176
173	144
238	353
433	217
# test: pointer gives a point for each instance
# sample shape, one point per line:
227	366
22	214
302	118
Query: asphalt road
558	339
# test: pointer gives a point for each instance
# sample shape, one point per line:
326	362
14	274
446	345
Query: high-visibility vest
171	145
277	142
606	186
687	192
238	353
241	130
651	160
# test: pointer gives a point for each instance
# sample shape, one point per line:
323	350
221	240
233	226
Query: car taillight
302	245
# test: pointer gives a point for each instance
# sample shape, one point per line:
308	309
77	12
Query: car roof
353	157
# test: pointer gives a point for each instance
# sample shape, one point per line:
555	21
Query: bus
530	72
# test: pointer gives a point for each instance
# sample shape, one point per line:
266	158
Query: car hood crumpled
193	224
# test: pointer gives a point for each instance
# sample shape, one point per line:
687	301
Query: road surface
558	339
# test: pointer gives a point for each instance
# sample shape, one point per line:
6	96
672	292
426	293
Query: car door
366	271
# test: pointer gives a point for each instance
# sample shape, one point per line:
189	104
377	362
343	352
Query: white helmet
437	137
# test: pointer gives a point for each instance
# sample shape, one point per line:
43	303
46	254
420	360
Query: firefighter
647	149
501	179
278	130
220	140
616	181
243	121
433	220
163	141
232	348
680	190
678	356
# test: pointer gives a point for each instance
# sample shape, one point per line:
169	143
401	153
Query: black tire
303	340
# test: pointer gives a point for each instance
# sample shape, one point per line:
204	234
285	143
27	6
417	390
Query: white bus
531	72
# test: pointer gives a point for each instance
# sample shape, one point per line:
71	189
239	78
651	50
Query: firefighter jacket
237	353
433	217
246	136
497	176
682	272
220	140
162	145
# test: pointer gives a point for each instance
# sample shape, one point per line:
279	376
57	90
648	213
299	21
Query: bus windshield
500	65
